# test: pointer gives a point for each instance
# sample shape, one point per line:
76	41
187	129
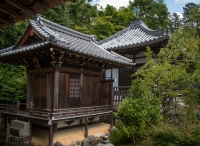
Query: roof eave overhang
144	45
19	54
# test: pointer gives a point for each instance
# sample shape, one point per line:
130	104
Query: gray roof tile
136	34
69	40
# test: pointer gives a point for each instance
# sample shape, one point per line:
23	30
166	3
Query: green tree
153	12
188	7
11	34
174	71
13	83
59	15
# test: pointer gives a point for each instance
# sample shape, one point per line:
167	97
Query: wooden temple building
65	81
131	43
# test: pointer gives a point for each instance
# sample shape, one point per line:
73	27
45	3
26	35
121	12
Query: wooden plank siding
90	93
40	91
106	92
50	82
63	91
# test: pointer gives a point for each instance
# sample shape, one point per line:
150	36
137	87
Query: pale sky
174	6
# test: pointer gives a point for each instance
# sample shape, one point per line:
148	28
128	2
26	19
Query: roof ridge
137	23
63	29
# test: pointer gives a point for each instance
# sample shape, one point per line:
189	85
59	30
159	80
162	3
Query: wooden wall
40	90
80	89
106	92
63	91
90	92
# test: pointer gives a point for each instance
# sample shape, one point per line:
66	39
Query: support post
50	133
111	120
30	107
17	106
3	121
28	91
81	87
81	122
56	88
111	74
55	127
7	132
86	127
112	104
30	128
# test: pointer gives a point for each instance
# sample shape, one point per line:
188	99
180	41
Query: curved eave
25	50
142	44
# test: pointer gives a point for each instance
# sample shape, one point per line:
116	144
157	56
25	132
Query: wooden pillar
30	107
112	104
55	127
7	131
28	91
30	128
81	122
81	87
50	133
111	92
111	74
86	127
3	118
111	120
56	89
18	106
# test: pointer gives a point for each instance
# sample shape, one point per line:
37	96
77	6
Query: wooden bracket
36	63
56	58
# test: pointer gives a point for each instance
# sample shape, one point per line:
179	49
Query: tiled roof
136	34
68	40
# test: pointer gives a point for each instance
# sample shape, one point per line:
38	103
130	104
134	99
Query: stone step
19	132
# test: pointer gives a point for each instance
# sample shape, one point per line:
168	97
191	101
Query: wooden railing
119	94
15	108
69	112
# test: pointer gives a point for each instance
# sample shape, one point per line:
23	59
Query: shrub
118	137
135	116
165	135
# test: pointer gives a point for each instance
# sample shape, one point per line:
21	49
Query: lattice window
74	88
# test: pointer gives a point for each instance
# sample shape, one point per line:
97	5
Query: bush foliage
13	83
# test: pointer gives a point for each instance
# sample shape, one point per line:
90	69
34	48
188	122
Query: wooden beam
2	26
21	7
41	4
6	20
10	12
25	37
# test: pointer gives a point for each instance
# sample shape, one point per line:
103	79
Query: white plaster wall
115	74
76	122
141	54
140	60
128	56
